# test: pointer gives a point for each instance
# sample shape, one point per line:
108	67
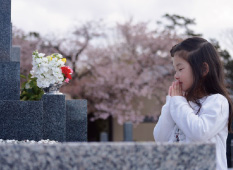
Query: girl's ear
205	69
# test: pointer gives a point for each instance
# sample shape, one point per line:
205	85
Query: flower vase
52	89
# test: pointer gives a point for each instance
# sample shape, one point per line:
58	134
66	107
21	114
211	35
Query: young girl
198	107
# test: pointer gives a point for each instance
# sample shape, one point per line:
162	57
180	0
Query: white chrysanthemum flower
60	79
47	70
43	69
52	81
41	54
38	60
32	72
42	82
53	63
61	63
56	69
34	63
59	56
45	59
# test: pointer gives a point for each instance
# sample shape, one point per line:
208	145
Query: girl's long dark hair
198	51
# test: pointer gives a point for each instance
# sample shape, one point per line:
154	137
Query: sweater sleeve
213	118
165	124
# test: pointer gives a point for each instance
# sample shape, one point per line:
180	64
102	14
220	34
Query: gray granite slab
108	156
128	131
76	120
15	53
176	156
10	81
54	117
5	27
21	120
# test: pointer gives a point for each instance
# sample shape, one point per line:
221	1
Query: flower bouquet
50	70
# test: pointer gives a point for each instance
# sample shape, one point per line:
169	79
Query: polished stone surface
108	156
10	81
5	27
76	120
21	120
54	117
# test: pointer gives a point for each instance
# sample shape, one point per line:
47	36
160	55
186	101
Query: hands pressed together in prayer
175	89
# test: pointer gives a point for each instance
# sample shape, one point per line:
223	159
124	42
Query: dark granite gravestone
5	27
54	115
10	80
18	120
21	120
9	71
45	119
76	120
103	137
128	131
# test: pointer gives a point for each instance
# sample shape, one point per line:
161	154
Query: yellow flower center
49	58
64	60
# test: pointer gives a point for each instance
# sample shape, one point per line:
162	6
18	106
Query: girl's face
183	73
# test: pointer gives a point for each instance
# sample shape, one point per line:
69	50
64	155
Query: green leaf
23	76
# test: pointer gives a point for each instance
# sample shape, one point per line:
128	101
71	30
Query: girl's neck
198	94
201	93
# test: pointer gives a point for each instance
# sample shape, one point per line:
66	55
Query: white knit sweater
180	123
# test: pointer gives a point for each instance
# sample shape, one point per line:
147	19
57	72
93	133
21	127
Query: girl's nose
176	77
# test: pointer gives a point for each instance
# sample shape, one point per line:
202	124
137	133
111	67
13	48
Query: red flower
67	71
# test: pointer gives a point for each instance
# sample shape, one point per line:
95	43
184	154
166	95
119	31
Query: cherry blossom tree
137	66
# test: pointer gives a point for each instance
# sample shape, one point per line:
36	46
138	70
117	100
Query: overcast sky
213	17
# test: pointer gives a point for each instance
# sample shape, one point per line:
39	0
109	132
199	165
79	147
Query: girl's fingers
181	93
176	89
170	91
173	85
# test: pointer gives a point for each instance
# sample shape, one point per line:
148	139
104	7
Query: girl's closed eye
180	69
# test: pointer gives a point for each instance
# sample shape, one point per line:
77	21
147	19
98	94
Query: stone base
108	156
51	118
21	120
